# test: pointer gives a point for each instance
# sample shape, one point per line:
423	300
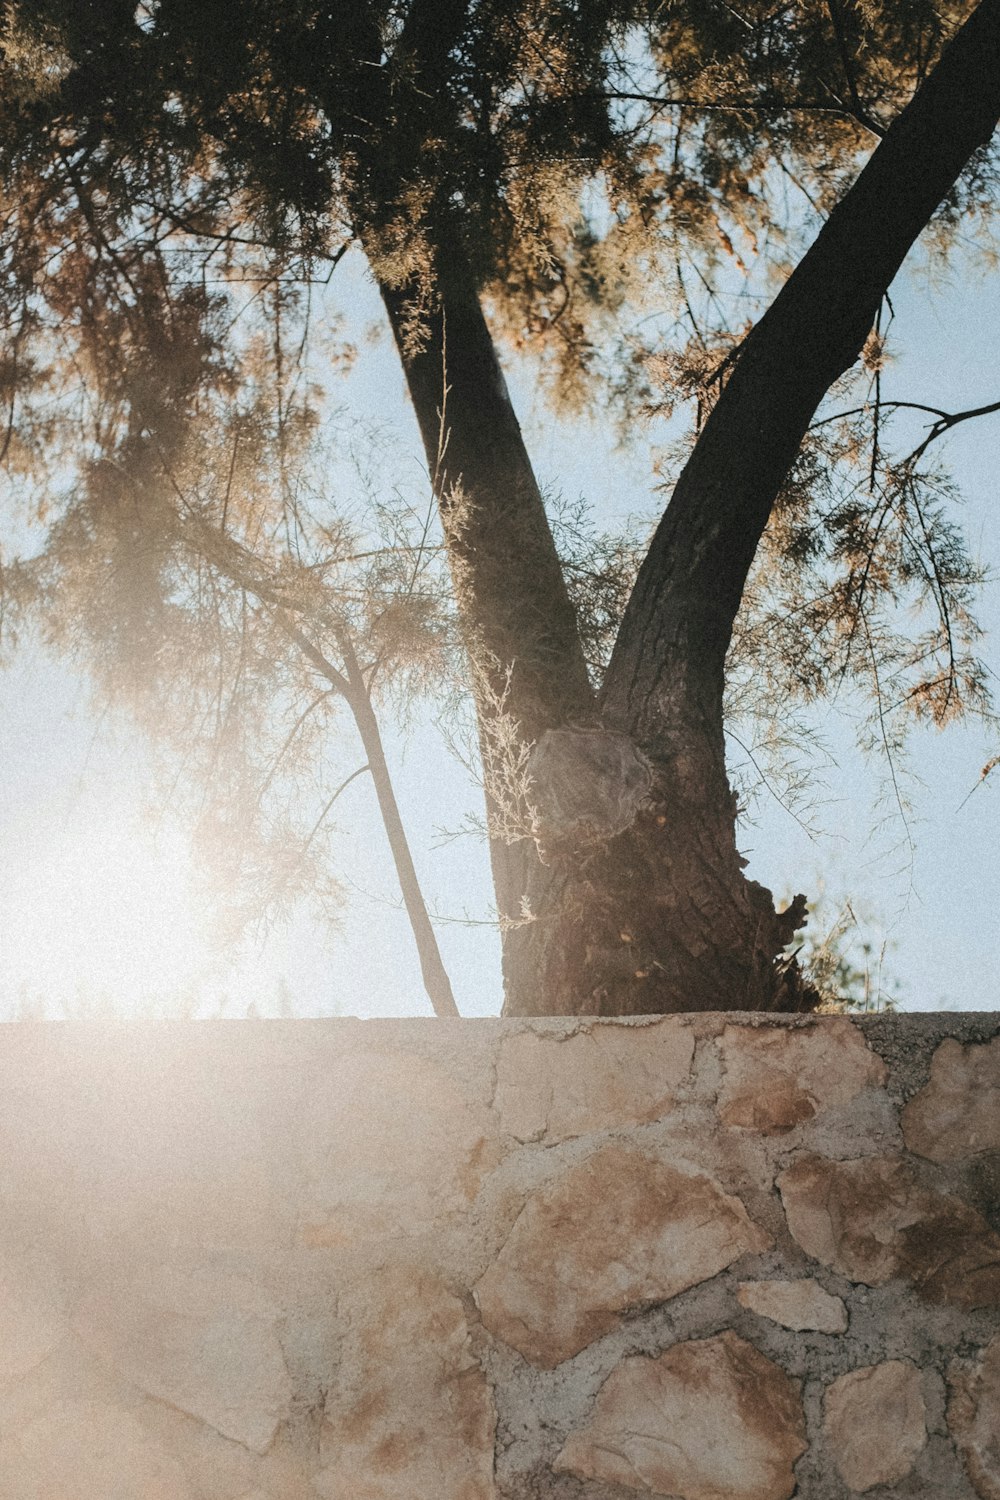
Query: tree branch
673	640
765	108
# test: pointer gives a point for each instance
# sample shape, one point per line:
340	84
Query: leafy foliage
863	587
846	962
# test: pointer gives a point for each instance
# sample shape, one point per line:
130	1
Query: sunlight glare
105	921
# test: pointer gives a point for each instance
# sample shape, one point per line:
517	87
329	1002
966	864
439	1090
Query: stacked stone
710	1257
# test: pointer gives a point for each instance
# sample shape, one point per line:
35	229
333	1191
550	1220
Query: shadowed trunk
519	624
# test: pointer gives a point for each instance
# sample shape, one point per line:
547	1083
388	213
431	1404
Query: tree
536	160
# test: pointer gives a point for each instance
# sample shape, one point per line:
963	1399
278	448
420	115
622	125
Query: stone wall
709	1257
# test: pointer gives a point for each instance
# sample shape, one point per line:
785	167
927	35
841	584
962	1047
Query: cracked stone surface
974	1419
875	1425
411	1415
777	1078
553	1086
88	1451
870	1220
794	1304
205	1342
615	1231
708	1419
957	1113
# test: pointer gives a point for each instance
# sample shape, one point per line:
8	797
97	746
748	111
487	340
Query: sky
97	903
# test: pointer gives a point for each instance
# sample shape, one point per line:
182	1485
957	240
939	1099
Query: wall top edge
974	1023
737	1017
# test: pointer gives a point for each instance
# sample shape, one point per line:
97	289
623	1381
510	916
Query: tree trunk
518	623
662	918
234	563
507	576
432	969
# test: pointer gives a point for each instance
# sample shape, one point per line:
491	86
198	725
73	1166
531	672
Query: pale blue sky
88	900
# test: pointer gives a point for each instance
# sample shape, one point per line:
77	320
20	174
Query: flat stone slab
203	1341
874	1421
619	1230
794	1304
411	1415
776	1078
553	1086
707	1419
870	1220
395	1144
957	1114
89	1449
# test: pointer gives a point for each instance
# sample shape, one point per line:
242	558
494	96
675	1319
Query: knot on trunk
776	929
585	786
783	985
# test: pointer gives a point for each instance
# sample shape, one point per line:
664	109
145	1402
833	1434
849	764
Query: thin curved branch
945	419
769	109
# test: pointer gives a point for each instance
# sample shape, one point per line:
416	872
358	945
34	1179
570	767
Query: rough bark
508	579
661	918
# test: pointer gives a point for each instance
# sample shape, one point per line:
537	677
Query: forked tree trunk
662	918
605	913
645	907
